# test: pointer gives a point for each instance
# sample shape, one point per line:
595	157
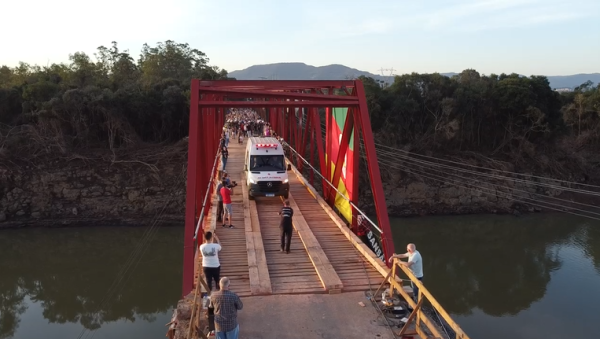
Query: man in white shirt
414	264
210	259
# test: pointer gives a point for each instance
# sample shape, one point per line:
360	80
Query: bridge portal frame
277	101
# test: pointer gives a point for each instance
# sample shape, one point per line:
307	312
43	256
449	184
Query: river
534	276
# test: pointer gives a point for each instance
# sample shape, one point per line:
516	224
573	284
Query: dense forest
112	101
499	116
109	101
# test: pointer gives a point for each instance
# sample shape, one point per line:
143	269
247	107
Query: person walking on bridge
414	264
210	259
226	305
285	226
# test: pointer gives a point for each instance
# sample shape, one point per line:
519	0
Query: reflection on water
53	283
535	276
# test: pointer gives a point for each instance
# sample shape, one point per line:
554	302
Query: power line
483	189
404	155
484	168
388	161
394	158
496	176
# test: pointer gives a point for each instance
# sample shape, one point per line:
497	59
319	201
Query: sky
542	37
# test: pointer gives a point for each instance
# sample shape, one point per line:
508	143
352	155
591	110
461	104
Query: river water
535	276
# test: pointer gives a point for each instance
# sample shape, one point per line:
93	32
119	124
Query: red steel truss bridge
336	247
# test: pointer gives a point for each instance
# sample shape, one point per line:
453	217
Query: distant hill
302	71
572	81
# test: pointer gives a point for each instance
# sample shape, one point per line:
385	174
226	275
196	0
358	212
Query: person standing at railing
210	259
414	264
285	226
224	156
226	178
226	192
220	201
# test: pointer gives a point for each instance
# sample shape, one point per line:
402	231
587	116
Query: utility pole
388	79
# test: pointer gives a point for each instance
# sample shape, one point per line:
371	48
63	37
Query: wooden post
411	317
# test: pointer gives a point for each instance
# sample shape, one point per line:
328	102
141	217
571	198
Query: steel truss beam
299	104
277	102
273	94
277	84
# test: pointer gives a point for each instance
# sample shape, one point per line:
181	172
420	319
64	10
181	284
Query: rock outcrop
98	192
135	191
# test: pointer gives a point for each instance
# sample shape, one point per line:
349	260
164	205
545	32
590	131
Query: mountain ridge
302	71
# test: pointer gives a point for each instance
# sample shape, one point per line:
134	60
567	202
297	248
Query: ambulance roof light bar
266	146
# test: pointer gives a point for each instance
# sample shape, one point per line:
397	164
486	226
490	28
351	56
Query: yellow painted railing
194	329
417	314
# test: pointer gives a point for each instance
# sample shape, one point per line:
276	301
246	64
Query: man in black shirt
286	226
224	157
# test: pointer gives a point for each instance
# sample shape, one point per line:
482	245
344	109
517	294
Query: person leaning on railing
219	201
414	264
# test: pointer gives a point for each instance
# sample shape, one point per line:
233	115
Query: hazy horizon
544	37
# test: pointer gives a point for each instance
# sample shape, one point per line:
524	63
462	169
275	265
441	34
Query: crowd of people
246	123
240	124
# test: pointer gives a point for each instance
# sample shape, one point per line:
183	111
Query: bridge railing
213	172
195	329
418	314
363	221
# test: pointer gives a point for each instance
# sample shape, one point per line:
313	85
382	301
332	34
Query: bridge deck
234	255
355	272
324	258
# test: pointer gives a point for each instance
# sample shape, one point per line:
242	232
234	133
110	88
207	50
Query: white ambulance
266	173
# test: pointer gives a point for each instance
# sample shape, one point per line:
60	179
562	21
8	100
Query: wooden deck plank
329	278
322	258
283	267
234	256
355	264
260	282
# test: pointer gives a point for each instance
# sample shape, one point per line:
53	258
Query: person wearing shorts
226	192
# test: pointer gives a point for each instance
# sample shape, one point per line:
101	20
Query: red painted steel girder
277	84
306	103
207	110
252	93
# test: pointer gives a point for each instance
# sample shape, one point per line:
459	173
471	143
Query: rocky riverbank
96	189
134	188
